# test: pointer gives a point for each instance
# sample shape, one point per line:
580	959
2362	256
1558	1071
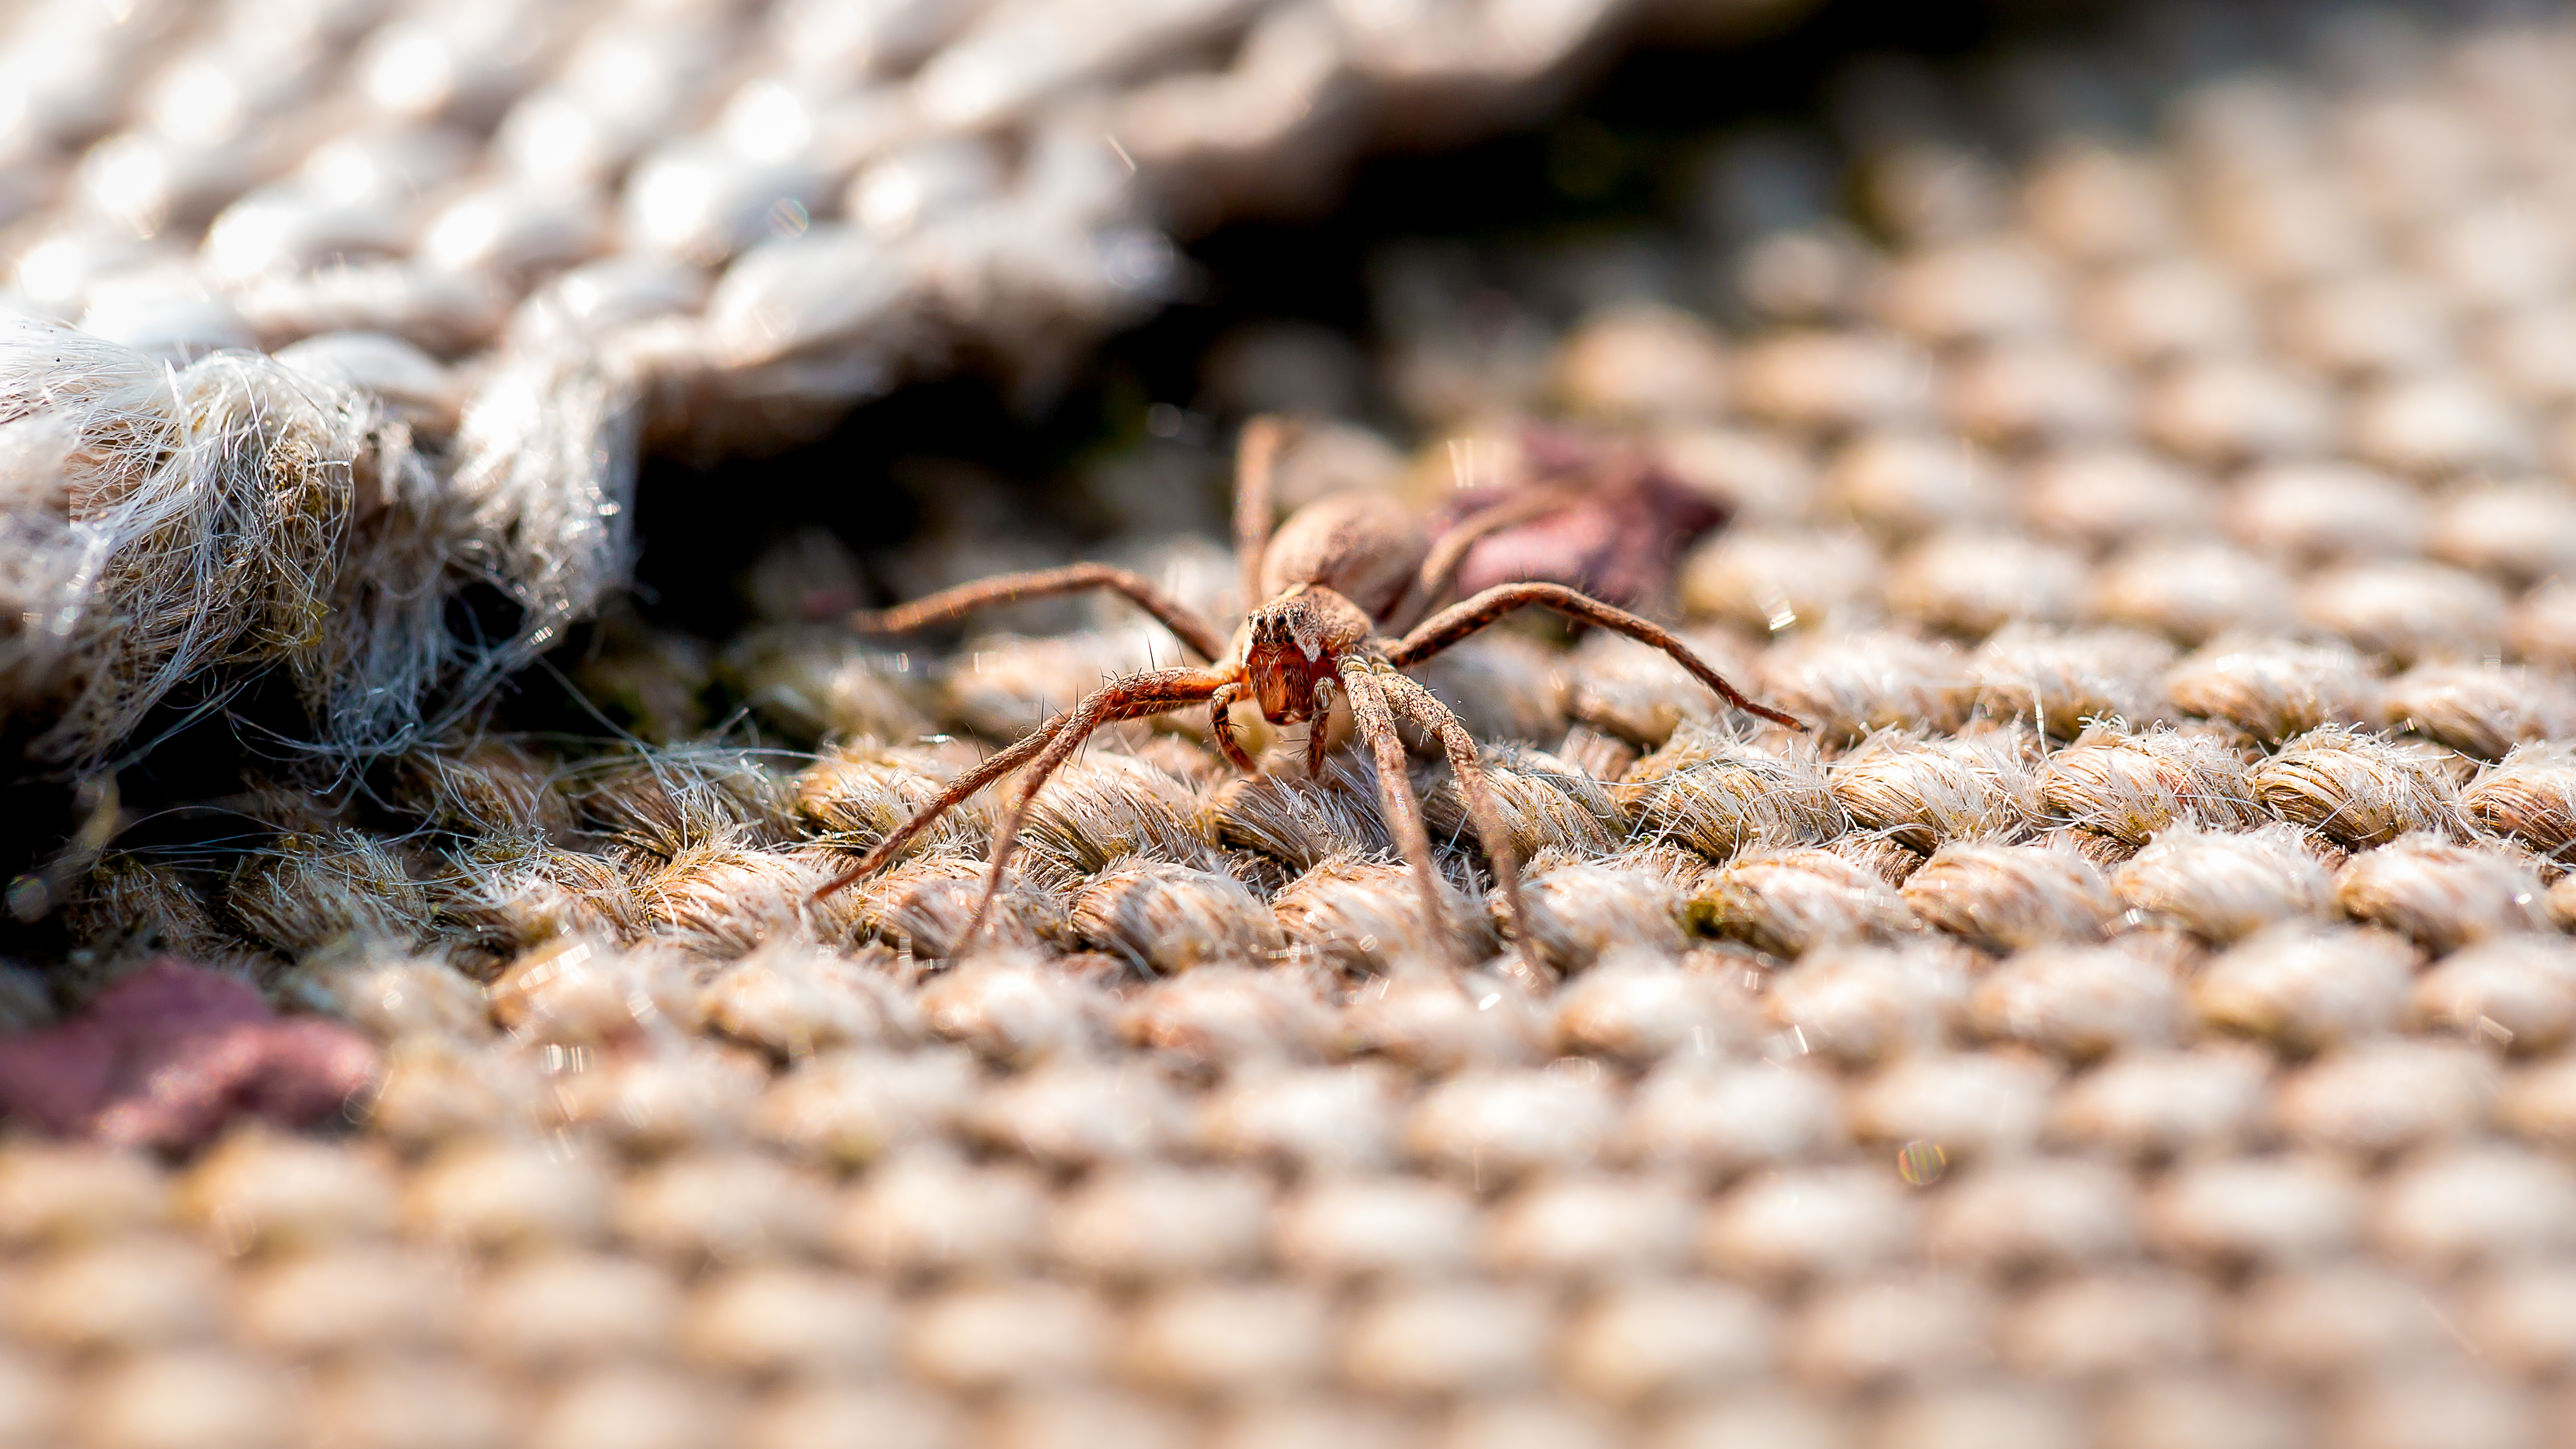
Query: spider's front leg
1395	794
1412	701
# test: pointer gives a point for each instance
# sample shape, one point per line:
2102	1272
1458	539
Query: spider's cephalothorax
1295	644
1334	584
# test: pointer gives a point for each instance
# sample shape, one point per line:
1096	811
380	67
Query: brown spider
1335	574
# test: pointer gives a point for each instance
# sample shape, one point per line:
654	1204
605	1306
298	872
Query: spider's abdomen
1366	547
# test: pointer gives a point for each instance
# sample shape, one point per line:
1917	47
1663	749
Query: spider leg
1319	729
993	767
1395	792
1219	705
1194	629
1133	697
1418	704
1458	621
1255	455
1440	566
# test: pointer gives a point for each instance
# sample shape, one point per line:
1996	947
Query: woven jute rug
2136	1012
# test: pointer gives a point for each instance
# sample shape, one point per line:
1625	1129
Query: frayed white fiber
168	524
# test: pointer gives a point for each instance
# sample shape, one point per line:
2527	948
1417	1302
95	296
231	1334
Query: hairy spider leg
1256	456
1194	629
1449	551
1132	697
1221	720
1459	621
1412	701
1395	792
1319	728
993	767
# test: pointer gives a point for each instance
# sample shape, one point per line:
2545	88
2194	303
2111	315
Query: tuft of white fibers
2105	498
2271	689
2311	513
232	516
1834	381
1924	793
1320	1121
1844	686
2377	1097
2407	611
2154	1105
2081	1002
1969	584
1639	1008
2129	786
1490	1126
490	785
1821	1224
1640	694
850	1108
857	795
721	901
1859	1004
923	905
2542	628
1720	796
1970	1104
793	1001
131	907
303	893
2517	533
2440	895
2530	797
508	893
2273	1211
2190	591
2476	1202
1303	823
1792	902
1545	803
660	801
2517	993
2058	683
1766	580
1717	1118
1233	1019
1002	686
2032	393
1361	917
1581	910
1165	919
2004	898
1111	807
2041	1215
2481	710
1591	1227
391	996
816	682
2356	788
1904	484
2222	886
2305	988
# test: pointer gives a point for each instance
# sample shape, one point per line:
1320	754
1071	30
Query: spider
1347	581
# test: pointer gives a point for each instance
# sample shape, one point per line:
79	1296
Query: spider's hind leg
1134	697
